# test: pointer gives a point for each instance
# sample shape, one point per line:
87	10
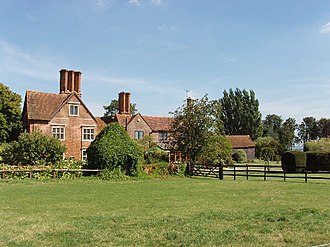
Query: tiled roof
155	123
240	141
123	119
159	123
42	106
100	123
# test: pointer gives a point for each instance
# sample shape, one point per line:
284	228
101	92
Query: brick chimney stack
124	101
70	81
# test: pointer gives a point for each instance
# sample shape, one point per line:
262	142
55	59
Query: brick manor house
66	117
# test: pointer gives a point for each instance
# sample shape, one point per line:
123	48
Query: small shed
243	142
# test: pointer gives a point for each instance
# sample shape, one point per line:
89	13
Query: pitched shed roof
240	141
42	106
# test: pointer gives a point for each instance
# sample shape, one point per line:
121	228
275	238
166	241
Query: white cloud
325	28
166	28
134	2
14	60
102	4
157	2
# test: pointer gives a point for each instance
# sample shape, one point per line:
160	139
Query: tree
33	149
308	130
10	114
113	149
324	127
272	126
113	108
216	148
267	147
282	132
287	134
240	113
196	130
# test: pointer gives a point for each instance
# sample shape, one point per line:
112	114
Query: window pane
88	134
138	134
74	110
58	132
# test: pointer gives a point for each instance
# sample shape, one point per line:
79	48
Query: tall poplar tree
240	113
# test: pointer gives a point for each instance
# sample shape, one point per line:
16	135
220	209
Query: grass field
173	212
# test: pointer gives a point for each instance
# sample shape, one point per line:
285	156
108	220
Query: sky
165	50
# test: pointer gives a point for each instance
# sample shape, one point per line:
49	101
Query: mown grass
173	212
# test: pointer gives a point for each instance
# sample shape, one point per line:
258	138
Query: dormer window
74	109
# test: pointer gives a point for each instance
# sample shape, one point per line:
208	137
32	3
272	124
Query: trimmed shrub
113	148
240	156
294	161
33	149
318	161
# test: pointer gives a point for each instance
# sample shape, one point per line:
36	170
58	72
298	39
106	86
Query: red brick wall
73	128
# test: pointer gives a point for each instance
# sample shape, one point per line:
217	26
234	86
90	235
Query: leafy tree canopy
282	132
267	147
113	149
113	108
33	149
308	129
10	114
197	131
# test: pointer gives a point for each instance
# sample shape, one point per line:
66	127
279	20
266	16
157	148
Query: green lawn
174	212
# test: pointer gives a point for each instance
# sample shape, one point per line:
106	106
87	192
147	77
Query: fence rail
261	171
53	172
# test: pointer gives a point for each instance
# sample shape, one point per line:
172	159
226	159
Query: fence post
264	173
234	172
284	174
221	171
247	172
305	175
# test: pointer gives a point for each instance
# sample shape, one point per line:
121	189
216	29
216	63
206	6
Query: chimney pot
124	103
70	81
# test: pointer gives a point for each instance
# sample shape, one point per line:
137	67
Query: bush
322	145
155	155
32	149
240	156
113	148
294	161
318	161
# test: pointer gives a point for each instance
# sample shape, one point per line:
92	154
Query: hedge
294	161
318	161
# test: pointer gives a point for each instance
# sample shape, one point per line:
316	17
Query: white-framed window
73	110
138	134
58	132
88	134
83	154
162	136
